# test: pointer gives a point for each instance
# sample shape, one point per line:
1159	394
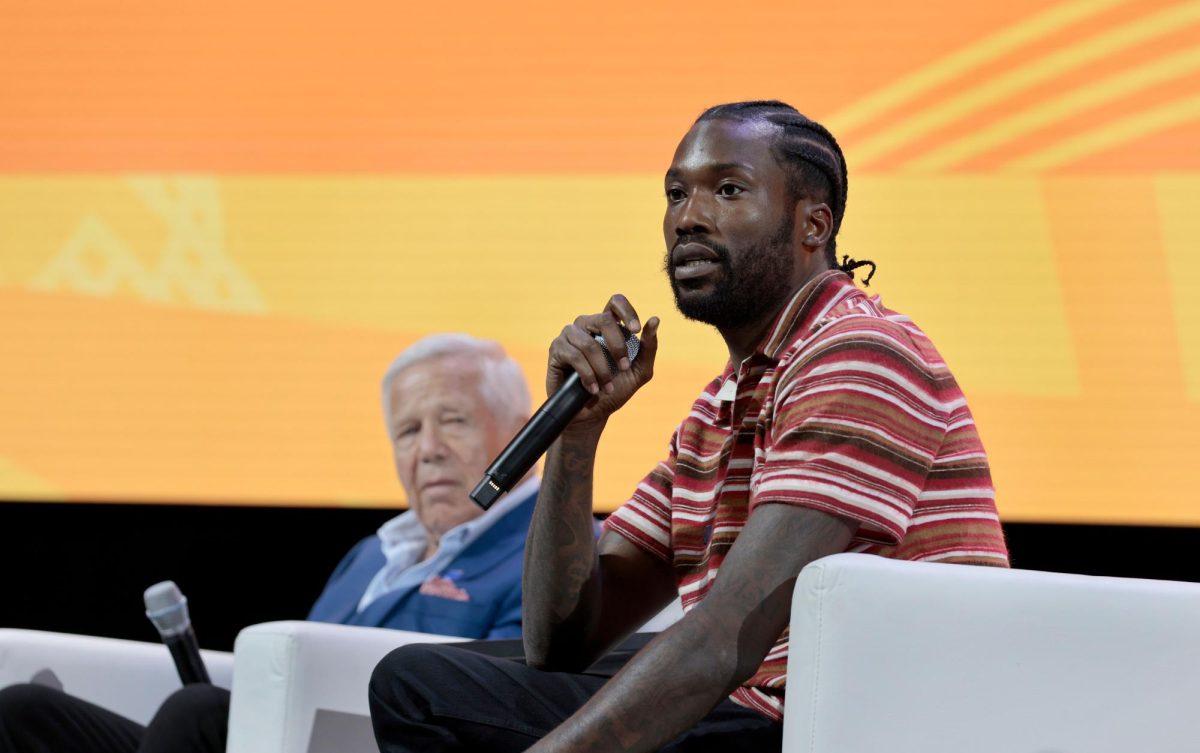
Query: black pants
435	698
38	719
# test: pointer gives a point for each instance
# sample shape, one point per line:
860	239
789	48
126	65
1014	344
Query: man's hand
578	603
576	349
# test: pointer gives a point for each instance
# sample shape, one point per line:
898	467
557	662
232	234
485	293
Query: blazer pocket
449	617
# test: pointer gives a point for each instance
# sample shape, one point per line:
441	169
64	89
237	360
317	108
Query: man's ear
814	219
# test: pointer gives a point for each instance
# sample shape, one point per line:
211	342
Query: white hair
501	382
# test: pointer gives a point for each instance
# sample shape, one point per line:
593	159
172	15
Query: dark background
81	568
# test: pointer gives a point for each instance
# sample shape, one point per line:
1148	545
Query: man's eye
406	431
729	189
675	194
454	419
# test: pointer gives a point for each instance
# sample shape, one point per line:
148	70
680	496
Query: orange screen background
218	223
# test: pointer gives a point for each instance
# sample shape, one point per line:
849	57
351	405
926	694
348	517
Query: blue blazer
489	570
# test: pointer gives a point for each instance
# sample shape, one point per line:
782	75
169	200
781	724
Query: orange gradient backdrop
218	223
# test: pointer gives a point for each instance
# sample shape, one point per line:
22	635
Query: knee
401	664
197	707
411	673
24	703
199	698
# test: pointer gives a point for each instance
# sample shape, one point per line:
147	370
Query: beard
747	290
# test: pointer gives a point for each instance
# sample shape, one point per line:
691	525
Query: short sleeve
645	519
854	429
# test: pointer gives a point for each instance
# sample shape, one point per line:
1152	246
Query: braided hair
810	155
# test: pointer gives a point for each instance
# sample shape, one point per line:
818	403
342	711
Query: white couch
301	687
129	677
884	655
907	656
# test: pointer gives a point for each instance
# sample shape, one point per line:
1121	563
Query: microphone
511	465
167	609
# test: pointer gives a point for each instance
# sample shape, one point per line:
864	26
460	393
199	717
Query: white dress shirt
404	541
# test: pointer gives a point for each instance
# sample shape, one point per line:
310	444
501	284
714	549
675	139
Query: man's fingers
577	349
620	307
614	340
649	348
586	358
564	356
609	329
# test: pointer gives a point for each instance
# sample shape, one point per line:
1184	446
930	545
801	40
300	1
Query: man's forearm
687	670
560	587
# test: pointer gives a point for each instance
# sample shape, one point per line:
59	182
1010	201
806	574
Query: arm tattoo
560	557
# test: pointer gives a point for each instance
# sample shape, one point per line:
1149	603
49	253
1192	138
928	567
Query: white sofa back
129	677
936	658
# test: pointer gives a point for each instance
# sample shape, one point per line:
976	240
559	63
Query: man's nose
429	443
695	216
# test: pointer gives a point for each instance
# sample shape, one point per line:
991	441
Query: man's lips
438	483
693	260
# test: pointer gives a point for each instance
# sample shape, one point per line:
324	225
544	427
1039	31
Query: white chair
884	655
129	677
301	687
935	658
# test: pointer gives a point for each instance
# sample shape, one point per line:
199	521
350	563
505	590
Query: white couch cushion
937	658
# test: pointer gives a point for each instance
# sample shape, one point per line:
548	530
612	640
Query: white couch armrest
888	655
669	615
130	678
302	686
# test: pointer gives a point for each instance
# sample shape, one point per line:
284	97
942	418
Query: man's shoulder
368	548
847	332
868	343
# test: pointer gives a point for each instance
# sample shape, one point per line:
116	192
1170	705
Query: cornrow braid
814	162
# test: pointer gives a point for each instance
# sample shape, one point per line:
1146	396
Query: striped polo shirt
845	407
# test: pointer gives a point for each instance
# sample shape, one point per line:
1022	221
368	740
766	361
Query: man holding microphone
834	426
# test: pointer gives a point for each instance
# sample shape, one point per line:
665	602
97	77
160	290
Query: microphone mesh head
166	607
632	346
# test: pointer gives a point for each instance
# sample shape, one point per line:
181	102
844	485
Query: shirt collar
805	310
405	529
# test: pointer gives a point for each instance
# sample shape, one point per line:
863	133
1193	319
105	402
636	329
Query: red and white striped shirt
845	407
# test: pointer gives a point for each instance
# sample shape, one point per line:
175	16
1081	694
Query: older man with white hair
451	402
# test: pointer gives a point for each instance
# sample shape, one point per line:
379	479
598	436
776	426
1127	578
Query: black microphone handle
186	653
532	441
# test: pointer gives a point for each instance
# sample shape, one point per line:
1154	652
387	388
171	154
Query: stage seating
884	655
129	677
888	655
301	687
